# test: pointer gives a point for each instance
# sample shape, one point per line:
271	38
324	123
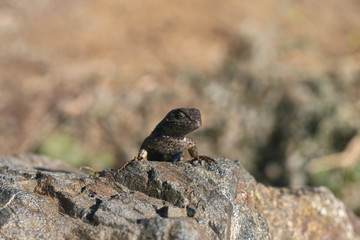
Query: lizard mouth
198	123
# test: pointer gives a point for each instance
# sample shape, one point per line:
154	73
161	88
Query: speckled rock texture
42	199
312	213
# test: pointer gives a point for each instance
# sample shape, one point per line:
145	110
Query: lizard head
178	122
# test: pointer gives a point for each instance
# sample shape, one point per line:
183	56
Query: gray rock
158	200
219	196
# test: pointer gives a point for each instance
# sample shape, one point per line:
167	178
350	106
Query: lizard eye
180	115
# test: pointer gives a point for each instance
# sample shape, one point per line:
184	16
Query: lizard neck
164	131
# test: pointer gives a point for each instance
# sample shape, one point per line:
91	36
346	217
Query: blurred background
277	82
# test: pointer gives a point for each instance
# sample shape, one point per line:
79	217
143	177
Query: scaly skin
168	141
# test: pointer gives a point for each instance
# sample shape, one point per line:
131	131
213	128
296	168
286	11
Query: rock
219	196
39	162
161	200
316	210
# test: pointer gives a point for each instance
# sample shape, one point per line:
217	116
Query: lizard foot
203	158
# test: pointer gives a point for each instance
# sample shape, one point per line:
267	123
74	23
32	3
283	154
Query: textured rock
219	196
161	200
316	210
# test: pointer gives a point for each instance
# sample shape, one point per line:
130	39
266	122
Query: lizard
168	141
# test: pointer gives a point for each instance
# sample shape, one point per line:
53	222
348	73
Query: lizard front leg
192	149
142	155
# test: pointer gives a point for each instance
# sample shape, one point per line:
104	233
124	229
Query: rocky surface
161	200
312	213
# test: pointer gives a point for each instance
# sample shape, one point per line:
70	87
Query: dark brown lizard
168	140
